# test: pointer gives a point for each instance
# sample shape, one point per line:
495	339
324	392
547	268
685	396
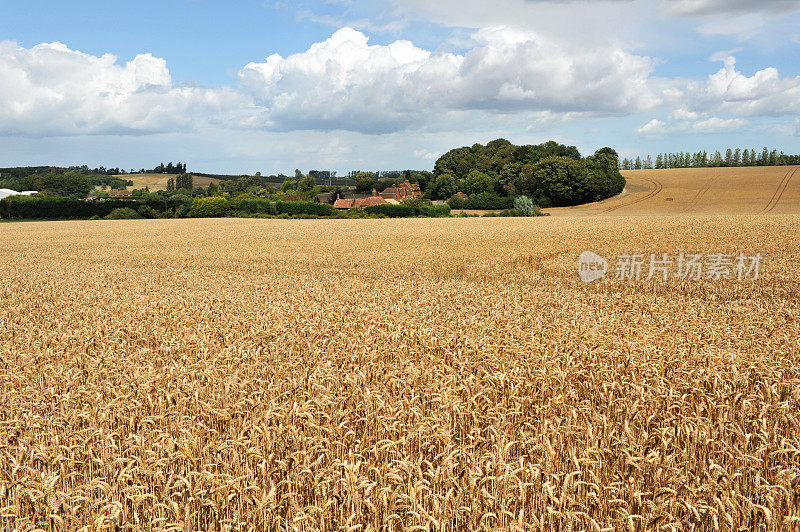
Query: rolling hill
752	190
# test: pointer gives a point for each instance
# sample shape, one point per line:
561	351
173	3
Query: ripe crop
428	374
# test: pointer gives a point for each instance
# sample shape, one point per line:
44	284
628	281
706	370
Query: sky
273	85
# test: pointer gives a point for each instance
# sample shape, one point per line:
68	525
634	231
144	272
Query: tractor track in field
778	194
657	187
702	192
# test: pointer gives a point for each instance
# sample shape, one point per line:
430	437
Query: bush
391	211
456	202
418	203
147	211
252	205
125	213
294	208
213	207
489	201
526	207
436	211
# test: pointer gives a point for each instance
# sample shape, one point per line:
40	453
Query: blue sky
352	84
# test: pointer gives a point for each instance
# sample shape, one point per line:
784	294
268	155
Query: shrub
418	203
146	211
456	202
253	205
391	211
489	201
125	213
526	207
436	211
213	207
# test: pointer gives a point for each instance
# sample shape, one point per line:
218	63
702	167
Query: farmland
446	374
159	181
753	190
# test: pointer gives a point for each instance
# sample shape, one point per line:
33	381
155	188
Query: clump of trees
169	168
551	174
702	159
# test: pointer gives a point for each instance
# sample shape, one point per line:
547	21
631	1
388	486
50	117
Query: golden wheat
447	374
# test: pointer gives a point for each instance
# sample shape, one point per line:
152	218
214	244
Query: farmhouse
402	192
354	203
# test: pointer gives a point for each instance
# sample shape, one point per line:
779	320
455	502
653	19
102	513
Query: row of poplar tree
732	157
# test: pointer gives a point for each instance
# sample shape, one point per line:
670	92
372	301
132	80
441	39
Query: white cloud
52	90
683	114
426	155
345	83
693	8
764	93
717	125
653	128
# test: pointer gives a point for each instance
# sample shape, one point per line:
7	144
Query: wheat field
710	191
156	182
424	374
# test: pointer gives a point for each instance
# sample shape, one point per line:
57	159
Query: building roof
344	203
372	200
349	203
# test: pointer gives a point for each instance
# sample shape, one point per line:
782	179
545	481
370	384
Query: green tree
477	182
184	182
306	184
365	181
210	207
564	181
442	187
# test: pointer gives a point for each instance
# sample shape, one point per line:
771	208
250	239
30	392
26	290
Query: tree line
702	159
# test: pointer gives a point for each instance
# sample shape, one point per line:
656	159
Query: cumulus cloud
718	125
683	114
693	8
346	83
764	93
691	123
53	90
652	128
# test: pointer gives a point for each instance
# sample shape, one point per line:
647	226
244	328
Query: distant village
392	195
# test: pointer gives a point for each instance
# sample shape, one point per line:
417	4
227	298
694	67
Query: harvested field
443	374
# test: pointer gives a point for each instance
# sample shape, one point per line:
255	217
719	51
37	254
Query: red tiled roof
344	203
349	203
373	200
